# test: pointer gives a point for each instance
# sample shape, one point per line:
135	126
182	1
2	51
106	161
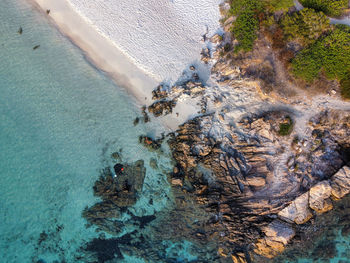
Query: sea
61	119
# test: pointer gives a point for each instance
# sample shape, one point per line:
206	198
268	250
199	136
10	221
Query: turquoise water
60	120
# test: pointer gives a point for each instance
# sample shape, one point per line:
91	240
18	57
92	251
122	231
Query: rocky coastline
257	170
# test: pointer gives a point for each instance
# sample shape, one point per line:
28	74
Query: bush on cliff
345	88
330	53
278	5
305	26
286	127
329	7
246	26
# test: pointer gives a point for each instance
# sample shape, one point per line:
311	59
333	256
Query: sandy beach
97	31
100	50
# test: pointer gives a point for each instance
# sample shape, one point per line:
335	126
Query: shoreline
98	50
105	55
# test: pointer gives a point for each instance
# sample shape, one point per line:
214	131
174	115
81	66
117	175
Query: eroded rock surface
298	211
341	183
246	173
319	197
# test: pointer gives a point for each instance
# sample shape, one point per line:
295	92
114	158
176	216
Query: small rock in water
136	121
145	115
36	47
118	169
177	182
116	156
20	31
150	143
153	163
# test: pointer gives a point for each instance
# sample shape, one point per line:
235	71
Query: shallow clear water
60	119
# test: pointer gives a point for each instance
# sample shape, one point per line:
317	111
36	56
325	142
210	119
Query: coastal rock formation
116	192
245	174
341	183
319	197
162	107
298	211
277	236
149	143
167	97
251	169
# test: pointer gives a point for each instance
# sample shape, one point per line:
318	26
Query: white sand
161	36
100	50
138	42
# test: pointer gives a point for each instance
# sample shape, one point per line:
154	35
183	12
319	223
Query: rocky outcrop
161	107
277	236
116	192
245	174
341	183
151	144
160	92
298	211
167	97
319	197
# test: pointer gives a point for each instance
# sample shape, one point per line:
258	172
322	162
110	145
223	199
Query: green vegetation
246	26
329	7
330	53
286	127
277	5
305	26
325	48
345	88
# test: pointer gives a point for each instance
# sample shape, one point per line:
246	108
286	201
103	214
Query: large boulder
319	197
340	183
277	236
298	211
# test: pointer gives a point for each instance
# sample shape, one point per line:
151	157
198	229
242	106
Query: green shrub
345	88
329	7
307	64
245	30
286	127
330	53
278	5
246	26
305	26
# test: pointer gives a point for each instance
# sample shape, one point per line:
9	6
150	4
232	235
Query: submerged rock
116	192
149	143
